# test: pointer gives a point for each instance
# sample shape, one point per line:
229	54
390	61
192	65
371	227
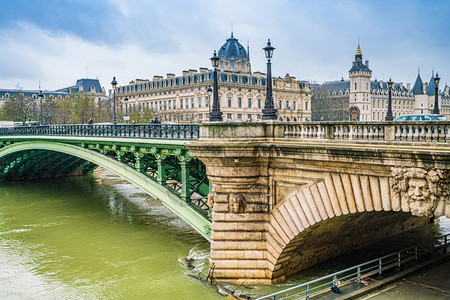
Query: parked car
424	117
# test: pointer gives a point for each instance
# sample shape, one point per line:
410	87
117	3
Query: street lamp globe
390	83
215	60
269	50
436	79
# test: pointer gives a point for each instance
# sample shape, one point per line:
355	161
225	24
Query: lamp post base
216	117
269	114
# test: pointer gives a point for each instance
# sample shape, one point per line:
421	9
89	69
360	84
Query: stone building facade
363	99
184	99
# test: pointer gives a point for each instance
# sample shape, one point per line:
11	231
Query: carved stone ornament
211	198
425	190
237	203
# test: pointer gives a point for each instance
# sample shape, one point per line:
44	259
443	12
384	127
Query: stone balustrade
431	131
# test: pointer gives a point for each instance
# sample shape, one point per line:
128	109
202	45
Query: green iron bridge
153	157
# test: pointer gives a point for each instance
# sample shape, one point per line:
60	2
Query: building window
306	105
181	103
199	102
239	102
170	104
249	102
355	86
174	103
249	117
192	102
229	101
207	101
294	105
287	105
151	105
187	102
279	104
259	103
239	116
229	116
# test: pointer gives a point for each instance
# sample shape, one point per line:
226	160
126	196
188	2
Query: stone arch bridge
284	196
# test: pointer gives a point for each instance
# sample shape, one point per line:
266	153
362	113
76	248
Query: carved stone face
418	189
418	194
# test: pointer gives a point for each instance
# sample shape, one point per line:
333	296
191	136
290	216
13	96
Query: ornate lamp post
126	109
209	91
436	100
92	114
389	115
82	116
269	111
114	84
216	114
40	100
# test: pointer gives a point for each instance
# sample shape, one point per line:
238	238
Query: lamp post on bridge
40	100
82	116
436	100
92	115
209	92
126	109
269	111
216	114
114	84
389	115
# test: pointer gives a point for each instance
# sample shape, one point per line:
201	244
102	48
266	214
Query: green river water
99	237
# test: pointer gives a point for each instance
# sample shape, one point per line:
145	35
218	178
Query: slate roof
418	86
86	84
431	88
232	48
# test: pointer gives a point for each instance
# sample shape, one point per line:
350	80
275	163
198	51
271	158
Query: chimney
408	86
367	63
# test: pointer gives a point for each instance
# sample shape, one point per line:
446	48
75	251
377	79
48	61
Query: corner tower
233	57
360	99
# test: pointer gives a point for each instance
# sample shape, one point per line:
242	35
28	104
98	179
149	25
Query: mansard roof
336	85
88	85
418	86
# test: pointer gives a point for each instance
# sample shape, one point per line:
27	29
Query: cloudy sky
56	42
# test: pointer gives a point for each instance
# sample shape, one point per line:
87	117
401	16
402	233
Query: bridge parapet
378	132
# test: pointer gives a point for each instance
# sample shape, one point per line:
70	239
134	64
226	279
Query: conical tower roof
418	86
431	88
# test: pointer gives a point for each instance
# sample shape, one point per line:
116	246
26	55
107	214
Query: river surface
99	237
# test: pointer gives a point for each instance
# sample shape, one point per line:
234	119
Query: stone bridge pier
281	205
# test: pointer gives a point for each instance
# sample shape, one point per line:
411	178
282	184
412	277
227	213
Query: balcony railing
163	131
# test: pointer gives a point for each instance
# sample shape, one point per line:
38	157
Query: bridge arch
167	197
353	209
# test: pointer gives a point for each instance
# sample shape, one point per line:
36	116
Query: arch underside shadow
34	160
336	236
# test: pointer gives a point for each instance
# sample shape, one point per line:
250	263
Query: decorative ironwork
163	131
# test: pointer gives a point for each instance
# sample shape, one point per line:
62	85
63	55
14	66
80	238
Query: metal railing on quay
357	273
164	131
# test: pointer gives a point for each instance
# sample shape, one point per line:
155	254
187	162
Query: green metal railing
357	273
165	131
